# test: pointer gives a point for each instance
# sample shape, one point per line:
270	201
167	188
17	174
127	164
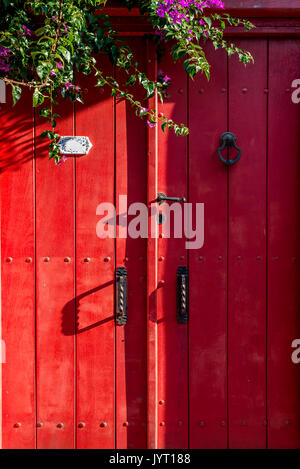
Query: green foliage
44	43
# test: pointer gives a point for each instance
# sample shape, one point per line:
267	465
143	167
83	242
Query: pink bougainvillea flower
60	65
151	124
143	109
68	85
53	74
26	31
166	79
77	88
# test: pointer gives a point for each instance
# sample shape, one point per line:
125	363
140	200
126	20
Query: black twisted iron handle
228	140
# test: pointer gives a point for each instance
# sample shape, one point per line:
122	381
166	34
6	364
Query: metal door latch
161	198
182	294
121	296
228	140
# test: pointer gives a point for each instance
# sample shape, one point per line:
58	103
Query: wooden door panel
17	275
247	250
55	317
283	249
172	344
95	356
131	181
208	266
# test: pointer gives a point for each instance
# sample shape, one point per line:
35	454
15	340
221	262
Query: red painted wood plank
131	181
247	251
17	274
152	155
95	274
208	266
55	323
172	337
283	260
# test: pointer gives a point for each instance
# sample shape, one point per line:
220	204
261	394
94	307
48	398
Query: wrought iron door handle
121	296
182	294
228	140
161	198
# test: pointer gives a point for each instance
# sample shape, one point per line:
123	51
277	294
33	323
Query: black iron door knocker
228	140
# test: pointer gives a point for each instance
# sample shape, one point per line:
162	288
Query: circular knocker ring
228	140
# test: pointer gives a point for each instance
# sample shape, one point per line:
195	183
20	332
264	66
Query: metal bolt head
161	402
125	424
86	259
67	259
202	423
161	283
17	425
81	425
9	259
28	260
103	424
223	423
161	258
40	424
244	90
60	425
107	259
162	424
46	259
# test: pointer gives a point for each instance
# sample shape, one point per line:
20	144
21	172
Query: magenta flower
60	65
4	59
68	85
143	109
26	31
53	74
77	88
166	79
151	124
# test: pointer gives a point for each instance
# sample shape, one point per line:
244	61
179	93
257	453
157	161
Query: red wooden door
225	378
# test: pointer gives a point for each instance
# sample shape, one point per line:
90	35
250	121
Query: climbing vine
43	44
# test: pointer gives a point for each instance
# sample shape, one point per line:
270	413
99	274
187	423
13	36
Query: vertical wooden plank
208	266
247	251
171	335
55	322
283	251
17	274
131	178
152	372
95	273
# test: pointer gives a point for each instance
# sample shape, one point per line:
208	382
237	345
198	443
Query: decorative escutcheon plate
74	145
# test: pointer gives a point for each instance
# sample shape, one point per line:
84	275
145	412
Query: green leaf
16	93
43	70
37	98
65	53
